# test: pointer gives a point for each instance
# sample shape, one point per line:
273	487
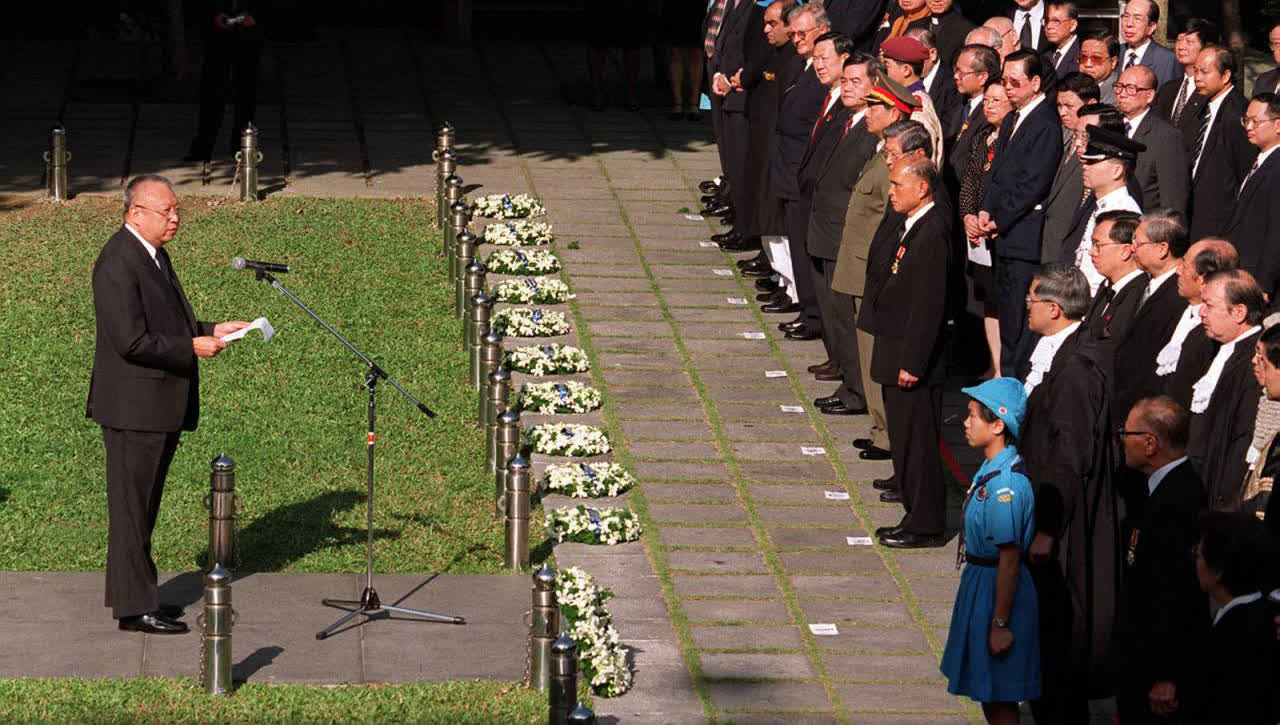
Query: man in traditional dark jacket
1186	354
1066	444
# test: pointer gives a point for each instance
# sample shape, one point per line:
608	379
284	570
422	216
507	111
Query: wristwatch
998	622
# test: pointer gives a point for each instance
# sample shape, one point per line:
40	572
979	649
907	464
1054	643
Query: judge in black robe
1222	434
1193	362
1135	353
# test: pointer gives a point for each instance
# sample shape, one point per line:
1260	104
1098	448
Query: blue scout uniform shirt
999	510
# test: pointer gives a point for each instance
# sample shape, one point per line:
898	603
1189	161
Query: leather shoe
756	270
910	540
826	402
771	297
828	376
863	444
804	333
893	495
720	210
756	261
742	245
728	236
710	186
786	307
170	611
885	484
825	366
842	409
884	531
152	623
728	219
874	454
790	325
768	284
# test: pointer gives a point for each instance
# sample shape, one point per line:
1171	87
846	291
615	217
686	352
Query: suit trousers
871	390
1013	282
795	214
914	417
734	133
840	337
137	463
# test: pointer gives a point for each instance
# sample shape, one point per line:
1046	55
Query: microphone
242	263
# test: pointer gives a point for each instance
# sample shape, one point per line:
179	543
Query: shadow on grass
4	495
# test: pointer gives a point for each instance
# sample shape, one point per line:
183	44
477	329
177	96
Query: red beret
904	49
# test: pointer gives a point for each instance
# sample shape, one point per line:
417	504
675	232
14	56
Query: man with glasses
1160	623
1061	19
1111	253
1177	101
1107	158
1162	171
1099	59
1220	152
1255	223
1269	82
1137	26
144	391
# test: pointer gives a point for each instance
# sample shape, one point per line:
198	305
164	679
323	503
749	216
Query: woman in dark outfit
624	24
681	33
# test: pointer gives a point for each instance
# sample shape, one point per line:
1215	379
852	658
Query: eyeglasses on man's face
1129	89
175	212
793	34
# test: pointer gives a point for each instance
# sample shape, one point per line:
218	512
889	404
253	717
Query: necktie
1184	93
1013	127
1128	129
1248	176
817	125
162	258
1130	60
848	124
1057	58
713	28
1202	135
1024	37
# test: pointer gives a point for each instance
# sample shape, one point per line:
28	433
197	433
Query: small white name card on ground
736	300
708	245
858	540
824	629
752	335
775	373
835	495
693	217
721	272
791	408
813	450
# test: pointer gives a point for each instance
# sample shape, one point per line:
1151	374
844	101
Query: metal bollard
487	360
581	715
444	137
446	164
458	221
464	253
517	513
544	625
55	163
473	277
215	641
477	324
506	447
222	502
247	159
564	679
499	392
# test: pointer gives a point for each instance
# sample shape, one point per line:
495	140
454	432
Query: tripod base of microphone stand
369	606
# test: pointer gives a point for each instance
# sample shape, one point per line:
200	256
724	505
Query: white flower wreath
505	206
568	439
587	620
518	234
530	322
567	397
584	525
587	480
553	359
514	261
536	290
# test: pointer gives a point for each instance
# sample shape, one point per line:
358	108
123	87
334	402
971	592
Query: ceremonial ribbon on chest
902	249
1131	555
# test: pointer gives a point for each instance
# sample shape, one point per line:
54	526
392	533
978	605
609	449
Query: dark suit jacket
1221	435
801	103
1266	82
1020	178
1112	321
144	369
1240	669
906	308
1197	352
1070	62
730	52
946	101
958	147
949	30
1061	207
857	19
1161	623
1163	170
1255	225
1135	353
833	178
1159	59
1167	98
818	151
1226	159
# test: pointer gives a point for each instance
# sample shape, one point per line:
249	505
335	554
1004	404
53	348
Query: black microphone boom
242	263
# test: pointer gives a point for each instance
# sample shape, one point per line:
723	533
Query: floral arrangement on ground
536	290
587	620
518	234
530	322
553	359
584	525
567	439
567	397
505	206
587	480
514	261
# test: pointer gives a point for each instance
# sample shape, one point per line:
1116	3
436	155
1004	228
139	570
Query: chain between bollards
499	394
55	164
517	502
216	622
506	447
247	160
464	253
221	502
564	679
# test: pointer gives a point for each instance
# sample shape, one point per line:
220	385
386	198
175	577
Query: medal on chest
897	258
770	76
1130	556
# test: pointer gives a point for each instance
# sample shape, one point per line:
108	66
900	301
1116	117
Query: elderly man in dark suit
1028	149
1061	20
1137	26
1186	355
1160	624
1100	60
975	66
1255	223
1220	152
1269	82
144	391
1162	171
1177	101
904	307
1075	91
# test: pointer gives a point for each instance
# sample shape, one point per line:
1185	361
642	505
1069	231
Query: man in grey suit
1163	171
1137	25
1100	60
1075	91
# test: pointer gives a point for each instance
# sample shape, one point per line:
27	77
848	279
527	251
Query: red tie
823	117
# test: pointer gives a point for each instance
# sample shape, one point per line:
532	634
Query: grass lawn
291	413
165	701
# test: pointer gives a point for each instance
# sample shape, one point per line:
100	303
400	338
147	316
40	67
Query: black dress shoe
910	540
729	219
885	484
720	210
771	297
153	623
874	454
757	260
170	611
742	245
728	236
786	308
790	325
757	270
842	409
893	495
768	284
827	377
827	402
825	366
884	531
709	186
804	333
863	444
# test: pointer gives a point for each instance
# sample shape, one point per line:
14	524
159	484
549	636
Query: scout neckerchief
978	489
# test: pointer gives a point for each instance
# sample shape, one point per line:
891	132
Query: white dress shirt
1115	199
1043	354
1167	358
911	220
1131	124
1153	285
1036	16
1242	599
1202	391
1153	481
1062	51
930	77
1024	112
151	249
1214	105
1137	52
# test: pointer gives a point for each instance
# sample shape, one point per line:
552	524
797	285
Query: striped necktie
1252	171
713	27
1184	94
1202	135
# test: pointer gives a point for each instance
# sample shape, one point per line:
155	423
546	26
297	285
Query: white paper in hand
259	324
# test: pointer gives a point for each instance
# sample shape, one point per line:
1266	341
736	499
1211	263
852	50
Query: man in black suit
1162	170
728	101
904	308
1111	251
1028	149
1224	401
1061	206
937	81
1255	223
1061	20
1177	101
975	66
857	19
1185	357
144	391
1269	82
1137	26
1161	624
949	28
1028	25
1220	151
829	176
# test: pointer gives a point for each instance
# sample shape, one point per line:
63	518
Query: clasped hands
210	345
722	85
978	227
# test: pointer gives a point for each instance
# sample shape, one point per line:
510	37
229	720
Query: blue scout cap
1003	396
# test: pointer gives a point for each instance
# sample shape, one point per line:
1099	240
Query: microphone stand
368	605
